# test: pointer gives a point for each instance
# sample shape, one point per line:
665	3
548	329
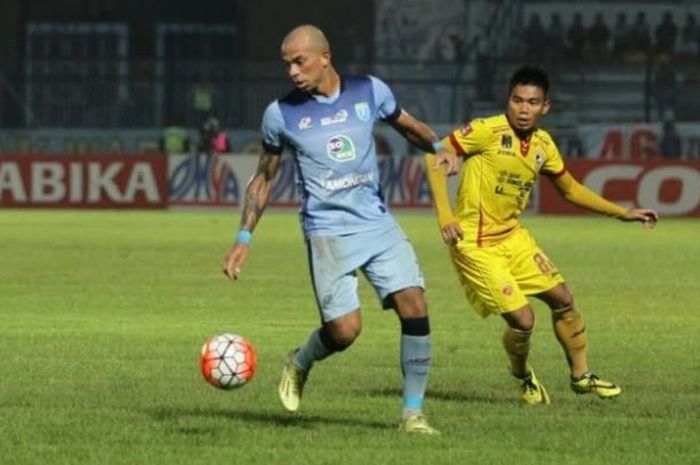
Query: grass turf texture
102	315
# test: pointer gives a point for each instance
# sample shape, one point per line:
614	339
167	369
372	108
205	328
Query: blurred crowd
627	39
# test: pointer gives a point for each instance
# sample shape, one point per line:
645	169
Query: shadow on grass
465	396
177	417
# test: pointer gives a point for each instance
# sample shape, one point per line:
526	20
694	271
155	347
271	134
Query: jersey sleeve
387	107
273	129
471	138
554	163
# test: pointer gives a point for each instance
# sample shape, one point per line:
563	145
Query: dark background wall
347	23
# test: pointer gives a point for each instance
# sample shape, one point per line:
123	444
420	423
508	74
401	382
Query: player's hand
449	159
646	216
451	233
234	260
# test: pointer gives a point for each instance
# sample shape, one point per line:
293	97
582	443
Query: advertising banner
83	181
670	188
221	180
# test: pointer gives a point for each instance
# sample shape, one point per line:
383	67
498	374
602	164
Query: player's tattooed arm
257	193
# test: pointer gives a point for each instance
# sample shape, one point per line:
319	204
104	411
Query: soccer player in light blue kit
327	123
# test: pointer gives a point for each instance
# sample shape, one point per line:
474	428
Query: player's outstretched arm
580	195
257	196
422	136
449	226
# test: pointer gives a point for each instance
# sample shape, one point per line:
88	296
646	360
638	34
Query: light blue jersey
333	146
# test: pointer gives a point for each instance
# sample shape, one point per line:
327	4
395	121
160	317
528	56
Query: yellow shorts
497	278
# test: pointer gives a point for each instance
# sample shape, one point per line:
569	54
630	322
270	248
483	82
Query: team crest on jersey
340	148
539	159
506	141
362	111
507	290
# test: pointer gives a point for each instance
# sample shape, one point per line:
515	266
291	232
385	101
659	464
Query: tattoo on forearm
257	193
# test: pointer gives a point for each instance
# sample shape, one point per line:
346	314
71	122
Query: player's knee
411	305
563	303
522	320
339	338
524	325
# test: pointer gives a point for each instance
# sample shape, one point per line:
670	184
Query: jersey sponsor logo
513	184
347	181
362	111
506	141
305	123
340	148
339	117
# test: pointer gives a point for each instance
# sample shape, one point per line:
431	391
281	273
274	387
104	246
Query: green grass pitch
102	315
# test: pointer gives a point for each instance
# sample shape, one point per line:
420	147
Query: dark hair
530	75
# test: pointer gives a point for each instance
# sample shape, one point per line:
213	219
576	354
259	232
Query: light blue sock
313	351
415	365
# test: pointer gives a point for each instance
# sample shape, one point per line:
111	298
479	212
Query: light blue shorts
386	258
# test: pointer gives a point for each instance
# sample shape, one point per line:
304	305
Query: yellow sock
517	345
571	333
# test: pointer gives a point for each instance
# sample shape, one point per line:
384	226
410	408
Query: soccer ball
227	361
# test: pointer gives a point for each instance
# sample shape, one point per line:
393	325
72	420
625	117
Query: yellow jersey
497	176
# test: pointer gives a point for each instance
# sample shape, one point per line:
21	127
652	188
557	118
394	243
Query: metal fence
435	93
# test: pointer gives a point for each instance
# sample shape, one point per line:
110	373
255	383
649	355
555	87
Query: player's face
526	105
306	66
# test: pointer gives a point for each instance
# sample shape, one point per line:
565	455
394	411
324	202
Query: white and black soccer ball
227	361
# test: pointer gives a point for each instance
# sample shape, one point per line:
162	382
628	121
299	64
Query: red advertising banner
83	181
671	188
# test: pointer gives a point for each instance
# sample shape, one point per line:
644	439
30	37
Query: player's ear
326	58
546	106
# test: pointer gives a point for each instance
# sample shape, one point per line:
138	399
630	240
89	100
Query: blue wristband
244	237
437	146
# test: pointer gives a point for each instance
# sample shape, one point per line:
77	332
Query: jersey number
543	263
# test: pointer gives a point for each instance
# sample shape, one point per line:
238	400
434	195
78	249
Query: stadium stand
609	60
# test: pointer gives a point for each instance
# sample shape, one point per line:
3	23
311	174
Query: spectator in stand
621	36
576	36
213	139
555	38
174	139
202	100
665	89
666	34
670	145
535	37
689	43
640	37
598	38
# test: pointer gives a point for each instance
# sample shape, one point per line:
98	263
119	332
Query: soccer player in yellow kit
498	262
